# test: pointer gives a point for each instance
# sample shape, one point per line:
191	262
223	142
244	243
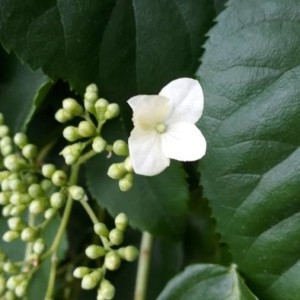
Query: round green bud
4	131
10	267
86	129
30	178
28	234
9	295
20	139
10	236
121	221
129	253
46	185
71	153
4	175
7	150
112	260
6	210
62	116
59	178
16	198
21	289
15	223
29	151
72	107
76	192
39	246
98	144
5	186
5	141
126	183
4	198
17	185
94	251
79	272
112	111
100	107
48	170
116	236
50	213
71	134
106	291
116	171
57	200
17	210
92	88
35	190
12	283
128	165
13	163
38	206
90	281
120	148
101	230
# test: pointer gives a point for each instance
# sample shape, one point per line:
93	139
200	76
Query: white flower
164	127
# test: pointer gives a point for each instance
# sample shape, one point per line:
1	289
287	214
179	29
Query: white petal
187	99
146	153
148	111
184	142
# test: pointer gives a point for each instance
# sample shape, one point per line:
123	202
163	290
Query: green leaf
125	46
18	91
251	77
157	204
207	282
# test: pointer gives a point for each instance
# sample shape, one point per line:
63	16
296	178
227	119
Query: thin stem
52	276
143	267
94	219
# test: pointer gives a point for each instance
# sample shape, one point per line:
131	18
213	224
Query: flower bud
71	153
17	185
28	234
90	281
48	170
112	260
62	116
76	192
71	134
79	272
4	131
72	107
6	150
35	190
92	88
10	267
116	171
106	291
29	151
16	198
15	223
17	210
101	230
94	251
50	213
38	206
100	107
21	289
120	148
10	236
9	295
129	253
116	236
13	163
30	178
126	183
4	175
20	139
112	111
86	129
6	210
121	221
99	144
39	246
128	165
46	185
59	178
57	200
4	198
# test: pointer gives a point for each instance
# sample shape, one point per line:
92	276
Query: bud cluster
92	115
110	257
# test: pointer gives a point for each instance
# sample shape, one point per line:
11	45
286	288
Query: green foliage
112	43
209	282
251	122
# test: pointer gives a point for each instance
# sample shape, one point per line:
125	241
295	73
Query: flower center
161	128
